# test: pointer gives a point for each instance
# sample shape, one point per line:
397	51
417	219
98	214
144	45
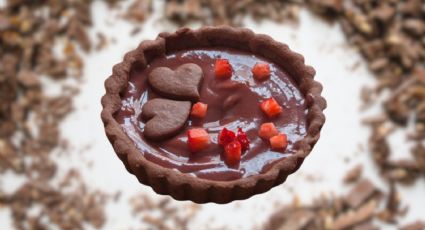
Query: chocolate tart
203	177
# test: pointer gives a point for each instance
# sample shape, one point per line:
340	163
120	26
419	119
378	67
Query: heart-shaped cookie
180	84
165	118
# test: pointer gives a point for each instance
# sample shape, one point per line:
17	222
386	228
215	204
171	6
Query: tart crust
183	186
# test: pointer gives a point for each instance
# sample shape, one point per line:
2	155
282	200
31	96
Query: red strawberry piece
199	109
243	139
223	69
267	130
279	142
225	137
270	107
232	153
261	71
197	139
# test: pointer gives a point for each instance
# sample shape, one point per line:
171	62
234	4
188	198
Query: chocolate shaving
353	174
366	226
349	219
138	11
360	193
298	220
418	225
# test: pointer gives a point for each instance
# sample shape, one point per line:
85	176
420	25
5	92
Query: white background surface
343	142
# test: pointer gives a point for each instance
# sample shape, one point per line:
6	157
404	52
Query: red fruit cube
279	142
197	139
270	107
243	139
223	69
232	153
261	71
225	137
199	109
267	130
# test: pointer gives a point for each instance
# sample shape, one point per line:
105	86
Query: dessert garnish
165	118
232	153
181	83
197	139
267	130
279	142
226	136
261	71
242	139
223	69
199	110
234	144
270	107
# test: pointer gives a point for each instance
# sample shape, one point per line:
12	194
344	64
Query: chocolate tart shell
183	186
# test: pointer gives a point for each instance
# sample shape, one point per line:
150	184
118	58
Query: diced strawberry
197	139
261	71
199	109
232	153
243	139
279	142
223	69
267	130
270	107
225	137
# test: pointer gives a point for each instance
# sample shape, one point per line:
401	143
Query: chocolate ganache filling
231	104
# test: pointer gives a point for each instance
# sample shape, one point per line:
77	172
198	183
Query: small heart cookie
180	84
165	117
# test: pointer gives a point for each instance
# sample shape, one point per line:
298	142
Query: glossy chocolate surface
231	103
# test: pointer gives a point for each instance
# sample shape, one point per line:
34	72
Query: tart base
183	186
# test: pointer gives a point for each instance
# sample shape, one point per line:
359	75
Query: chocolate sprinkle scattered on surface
358	209
30	118
418	225
361	192
169	217
138	11
219	12
353	174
